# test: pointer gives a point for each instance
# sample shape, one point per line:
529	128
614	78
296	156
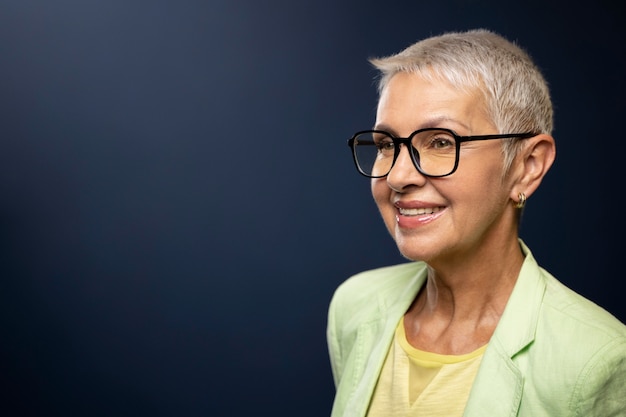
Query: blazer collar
518	323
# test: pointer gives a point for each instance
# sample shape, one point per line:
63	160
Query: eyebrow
430	123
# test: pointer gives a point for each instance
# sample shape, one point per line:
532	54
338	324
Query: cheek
380	191
481	199
382	196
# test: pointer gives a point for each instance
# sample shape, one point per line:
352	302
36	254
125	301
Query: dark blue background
177	201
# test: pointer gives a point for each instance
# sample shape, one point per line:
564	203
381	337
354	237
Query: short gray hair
516	95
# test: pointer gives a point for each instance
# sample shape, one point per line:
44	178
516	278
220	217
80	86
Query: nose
404	173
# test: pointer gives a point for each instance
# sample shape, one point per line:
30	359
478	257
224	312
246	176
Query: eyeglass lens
433	151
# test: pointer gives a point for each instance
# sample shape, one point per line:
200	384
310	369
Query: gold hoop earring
522	201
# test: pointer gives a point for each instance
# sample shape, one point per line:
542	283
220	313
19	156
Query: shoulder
560	313
577	315
380	284
570	351
374	294
580	348
367	307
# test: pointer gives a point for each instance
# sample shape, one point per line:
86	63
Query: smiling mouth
418	211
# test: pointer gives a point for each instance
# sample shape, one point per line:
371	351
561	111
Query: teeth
418	211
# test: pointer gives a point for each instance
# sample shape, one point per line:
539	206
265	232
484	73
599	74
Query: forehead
411	101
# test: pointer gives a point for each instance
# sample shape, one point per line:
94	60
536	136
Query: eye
440	141
384	144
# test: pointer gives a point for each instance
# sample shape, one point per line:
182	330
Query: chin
413	254
418	249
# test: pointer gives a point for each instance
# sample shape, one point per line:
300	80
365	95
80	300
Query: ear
532	164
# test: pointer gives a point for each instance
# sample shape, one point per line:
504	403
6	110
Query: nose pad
415	154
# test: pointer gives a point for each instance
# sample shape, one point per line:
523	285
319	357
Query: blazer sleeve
332	338
601	388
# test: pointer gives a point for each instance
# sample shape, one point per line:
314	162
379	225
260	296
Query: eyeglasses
434	151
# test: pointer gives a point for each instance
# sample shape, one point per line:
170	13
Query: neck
461	304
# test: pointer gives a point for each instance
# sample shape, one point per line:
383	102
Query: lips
416	214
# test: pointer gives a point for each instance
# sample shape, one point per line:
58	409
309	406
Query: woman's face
441	219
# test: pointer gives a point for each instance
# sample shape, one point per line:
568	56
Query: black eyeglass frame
412	151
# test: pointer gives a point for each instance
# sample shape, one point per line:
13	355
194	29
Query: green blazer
553	353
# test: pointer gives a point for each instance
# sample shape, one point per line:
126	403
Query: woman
473	326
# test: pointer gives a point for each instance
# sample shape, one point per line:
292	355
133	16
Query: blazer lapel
373	341
497	389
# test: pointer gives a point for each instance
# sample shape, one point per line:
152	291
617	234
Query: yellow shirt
418	383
